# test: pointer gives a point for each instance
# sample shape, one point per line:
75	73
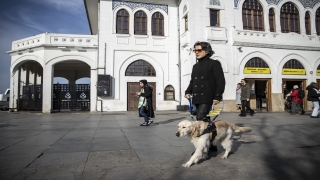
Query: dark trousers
245	106
144	114
202	111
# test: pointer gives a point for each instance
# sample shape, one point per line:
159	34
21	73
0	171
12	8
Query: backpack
301	93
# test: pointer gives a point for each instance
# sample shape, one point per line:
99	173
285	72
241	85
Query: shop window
307	23
289	18
272	20
318	21
157	24
122	22
140	23
252	15
169	93
214	18
140	68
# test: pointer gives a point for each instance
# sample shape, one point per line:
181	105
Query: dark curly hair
205	46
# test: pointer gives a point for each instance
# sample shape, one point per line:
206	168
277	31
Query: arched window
122	22
140	23
252	15
169	93
307	23
256	62
256	65
289	18
157	24
272	20
140	68
293	64
318	21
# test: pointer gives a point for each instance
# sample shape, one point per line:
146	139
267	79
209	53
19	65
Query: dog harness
211	128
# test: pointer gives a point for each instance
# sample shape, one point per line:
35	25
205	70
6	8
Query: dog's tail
240	129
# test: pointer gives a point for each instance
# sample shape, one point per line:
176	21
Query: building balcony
217	34
276	40
55	40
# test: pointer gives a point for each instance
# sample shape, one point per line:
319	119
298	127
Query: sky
24	18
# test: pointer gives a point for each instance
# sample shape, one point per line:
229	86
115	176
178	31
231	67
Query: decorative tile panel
215	2
305	3
134	5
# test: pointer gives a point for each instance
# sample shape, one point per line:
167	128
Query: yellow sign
318	72
293	71
256	70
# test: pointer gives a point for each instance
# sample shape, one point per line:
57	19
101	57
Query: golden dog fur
193	129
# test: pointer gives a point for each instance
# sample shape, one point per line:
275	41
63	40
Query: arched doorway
30	79
72	95
142	69
260	87
293	67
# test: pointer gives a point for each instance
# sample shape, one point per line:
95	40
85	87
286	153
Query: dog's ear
193	127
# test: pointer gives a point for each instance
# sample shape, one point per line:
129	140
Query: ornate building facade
274	44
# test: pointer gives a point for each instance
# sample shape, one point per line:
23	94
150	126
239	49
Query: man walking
245	98
296	101
207	81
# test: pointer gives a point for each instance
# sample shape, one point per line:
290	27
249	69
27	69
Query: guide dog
194	129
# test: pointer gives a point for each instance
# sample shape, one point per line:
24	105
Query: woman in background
238	96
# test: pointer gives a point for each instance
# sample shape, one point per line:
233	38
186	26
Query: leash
211	126
190	107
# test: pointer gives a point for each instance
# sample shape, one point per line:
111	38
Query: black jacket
207	81
148	95
312	94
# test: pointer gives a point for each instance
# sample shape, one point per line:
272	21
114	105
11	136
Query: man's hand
187	96
248	99
215	102
138	93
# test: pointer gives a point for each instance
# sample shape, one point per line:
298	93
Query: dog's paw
224	157
186	165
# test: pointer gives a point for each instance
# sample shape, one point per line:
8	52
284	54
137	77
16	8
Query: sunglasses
197	50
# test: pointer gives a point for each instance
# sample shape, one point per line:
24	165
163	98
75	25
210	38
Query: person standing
245	98
145	102
313	95
296	101
207	82
238	96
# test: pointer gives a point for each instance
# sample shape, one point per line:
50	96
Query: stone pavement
113	146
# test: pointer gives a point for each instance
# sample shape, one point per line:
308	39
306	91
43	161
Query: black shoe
251	113
242	115
144	124
302	112
150	122
314	116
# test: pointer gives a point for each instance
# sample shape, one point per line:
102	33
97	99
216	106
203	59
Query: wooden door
133	100
268	95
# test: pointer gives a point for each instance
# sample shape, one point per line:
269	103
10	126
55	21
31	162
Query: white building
275	44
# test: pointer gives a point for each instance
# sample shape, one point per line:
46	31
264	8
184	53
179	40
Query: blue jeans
143	113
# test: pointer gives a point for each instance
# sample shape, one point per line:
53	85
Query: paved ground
114	146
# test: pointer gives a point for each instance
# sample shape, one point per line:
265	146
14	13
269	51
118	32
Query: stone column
47	89
93	90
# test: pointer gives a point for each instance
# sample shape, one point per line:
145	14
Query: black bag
301	93
289	98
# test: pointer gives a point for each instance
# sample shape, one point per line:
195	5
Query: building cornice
275	46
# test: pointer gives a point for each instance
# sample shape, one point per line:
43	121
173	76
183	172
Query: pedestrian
296	101
207	82
238	96
245	98
145	102
313	95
